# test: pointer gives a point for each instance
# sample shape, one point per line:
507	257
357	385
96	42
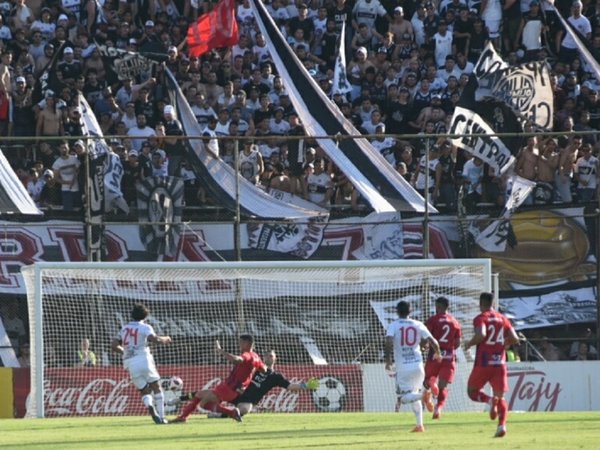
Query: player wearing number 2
404	338
132	343
439	374
493	333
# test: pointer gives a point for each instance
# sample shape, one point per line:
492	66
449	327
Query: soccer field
283	431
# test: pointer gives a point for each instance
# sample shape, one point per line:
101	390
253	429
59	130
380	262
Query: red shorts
443	370
225	393
497	376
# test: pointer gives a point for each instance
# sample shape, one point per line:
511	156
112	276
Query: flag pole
426	213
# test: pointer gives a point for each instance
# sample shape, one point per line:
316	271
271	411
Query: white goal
323	319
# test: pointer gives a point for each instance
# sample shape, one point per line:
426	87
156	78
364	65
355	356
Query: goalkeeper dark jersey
261	384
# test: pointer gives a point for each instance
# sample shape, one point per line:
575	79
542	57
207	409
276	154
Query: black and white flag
103	187
497	234
160	207
525	88
486	146
127	65
341	85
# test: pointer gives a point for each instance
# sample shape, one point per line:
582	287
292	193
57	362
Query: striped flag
340	79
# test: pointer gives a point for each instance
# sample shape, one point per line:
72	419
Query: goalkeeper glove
311	384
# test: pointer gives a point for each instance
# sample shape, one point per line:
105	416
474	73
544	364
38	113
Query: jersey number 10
408	336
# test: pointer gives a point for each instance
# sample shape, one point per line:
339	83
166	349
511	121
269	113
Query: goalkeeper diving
261	384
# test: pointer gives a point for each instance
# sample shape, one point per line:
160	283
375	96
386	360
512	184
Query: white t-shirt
143	133
134	339
317	186
581	24
366	12
443	47
587	170
408	334
67	169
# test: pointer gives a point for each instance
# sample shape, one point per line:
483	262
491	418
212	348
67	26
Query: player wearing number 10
439	374
404	337
493	333
132	343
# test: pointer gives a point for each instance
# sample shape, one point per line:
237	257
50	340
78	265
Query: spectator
549	351
85	356
472	174
24	355
65	170
586	174
582	348
173	146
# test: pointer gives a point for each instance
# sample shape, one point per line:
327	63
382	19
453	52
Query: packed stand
407	66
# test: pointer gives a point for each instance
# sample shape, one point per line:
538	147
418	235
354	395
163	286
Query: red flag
216	29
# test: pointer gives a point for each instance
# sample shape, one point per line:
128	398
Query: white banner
555	308
487	147
489	62
495	236
340	79
383	237
525	88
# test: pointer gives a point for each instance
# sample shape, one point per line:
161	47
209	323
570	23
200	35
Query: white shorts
493	26
142	370
409	379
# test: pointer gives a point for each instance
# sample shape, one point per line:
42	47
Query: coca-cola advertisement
107	391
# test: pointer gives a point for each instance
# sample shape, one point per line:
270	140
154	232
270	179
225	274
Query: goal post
324	319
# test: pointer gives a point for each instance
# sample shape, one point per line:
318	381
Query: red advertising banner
107	391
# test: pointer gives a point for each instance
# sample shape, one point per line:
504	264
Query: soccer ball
175	384
331	395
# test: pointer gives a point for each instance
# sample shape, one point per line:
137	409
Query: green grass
314	431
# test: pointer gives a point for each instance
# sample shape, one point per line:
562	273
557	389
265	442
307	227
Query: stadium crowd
407	65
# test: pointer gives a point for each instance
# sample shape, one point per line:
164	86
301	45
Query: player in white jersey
132	343
404	339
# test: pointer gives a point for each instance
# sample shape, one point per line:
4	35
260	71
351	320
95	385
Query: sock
417	408
190	407
441	400
410	398
225	410
479	396
147	400
159	401
502	411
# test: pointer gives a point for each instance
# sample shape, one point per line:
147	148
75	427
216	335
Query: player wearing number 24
404	338
493	334
132	343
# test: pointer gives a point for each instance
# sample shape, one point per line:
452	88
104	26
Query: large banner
555	251
107	391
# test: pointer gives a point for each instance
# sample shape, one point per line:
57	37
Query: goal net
323	319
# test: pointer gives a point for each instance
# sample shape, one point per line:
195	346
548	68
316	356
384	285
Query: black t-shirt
261	384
